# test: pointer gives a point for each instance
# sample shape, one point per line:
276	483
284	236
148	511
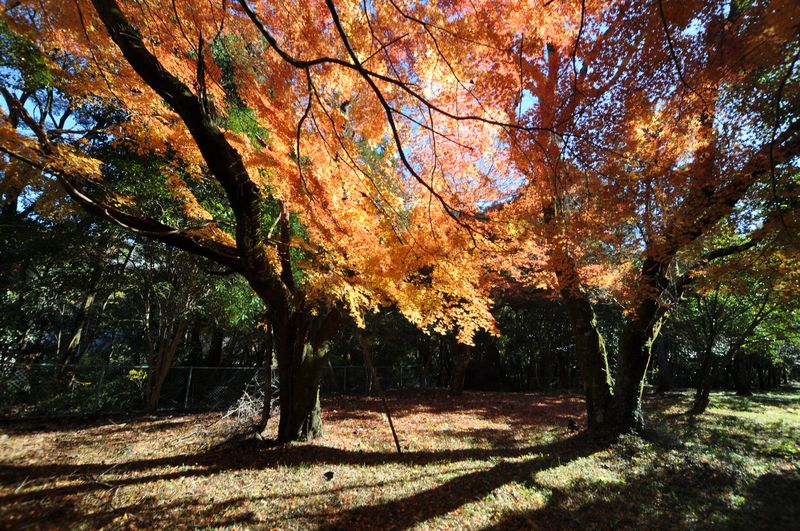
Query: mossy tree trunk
590	350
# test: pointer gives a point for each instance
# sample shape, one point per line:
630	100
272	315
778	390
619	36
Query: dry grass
481	461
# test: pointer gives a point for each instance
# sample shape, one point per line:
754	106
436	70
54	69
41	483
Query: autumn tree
643	132
318	150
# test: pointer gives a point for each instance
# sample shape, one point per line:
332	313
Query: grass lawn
481	461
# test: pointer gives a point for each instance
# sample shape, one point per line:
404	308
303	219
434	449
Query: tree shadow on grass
473	486
691	495
25	503
771	503
108	424
757	402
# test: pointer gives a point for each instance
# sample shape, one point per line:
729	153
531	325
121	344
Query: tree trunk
72	351
665	366
762	382
705	378
741	373
160	369
301	343
425	358
462	356
266	385
590	351
300	418
636	344
214	358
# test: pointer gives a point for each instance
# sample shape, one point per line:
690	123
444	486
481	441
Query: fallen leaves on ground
478	461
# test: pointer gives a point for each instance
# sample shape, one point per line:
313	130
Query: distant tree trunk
462	357
425	358
705	379
72	350
195	344
563	369
215	349
762	382
741	373
773	376
161	365
535	369
666	376
708	372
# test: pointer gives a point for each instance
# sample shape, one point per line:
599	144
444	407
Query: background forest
81	296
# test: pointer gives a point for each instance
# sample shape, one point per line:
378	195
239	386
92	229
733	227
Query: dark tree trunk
425	358
301	344
300	418
266	385
462	355
666	374
195	344
636	344
72	351
590	351
741	373
563	370
215	349
705	378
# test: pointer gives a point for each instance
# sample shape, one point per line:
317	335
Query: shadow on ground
654	485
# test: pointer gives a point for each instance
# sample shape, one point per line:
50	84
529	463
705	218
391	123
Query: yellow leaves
121	200
211	232
191	207
66	159
273	259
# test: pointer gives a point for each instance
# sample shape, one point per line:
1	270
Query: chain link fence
49	390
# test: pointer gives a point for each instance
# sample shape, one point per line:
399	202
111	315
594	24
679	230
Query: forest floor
481	461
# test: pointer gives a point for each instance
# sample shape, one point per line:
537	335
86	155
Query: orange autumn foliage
434	149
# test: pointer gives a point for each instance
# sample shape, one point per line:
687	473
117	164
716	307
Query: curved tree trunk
161	365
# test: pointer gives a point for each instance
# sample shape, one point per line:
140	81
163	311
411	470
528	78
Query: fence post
344	380
401	377
188	386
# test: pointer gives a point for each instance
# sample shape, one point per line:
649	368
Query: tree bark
666	375
425	358
301	344
266	385
72	351
590	351
636	345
